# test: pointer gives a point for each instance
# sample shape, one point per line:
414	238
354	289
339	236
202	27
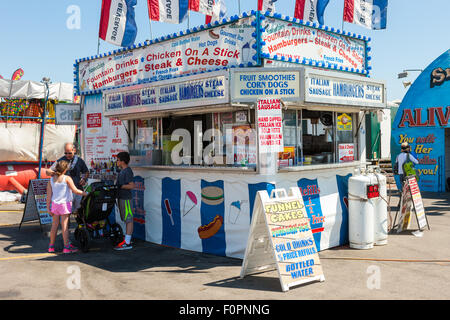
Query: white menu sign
207	50
270	125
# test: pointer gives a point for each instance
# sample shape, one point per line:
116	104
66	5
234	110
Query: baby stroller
97	206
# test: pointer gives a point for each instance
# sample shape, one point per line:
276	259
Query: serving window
221	139
229	139
317	137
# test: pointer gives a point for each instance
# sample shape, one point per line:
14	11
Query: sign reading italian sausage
270	125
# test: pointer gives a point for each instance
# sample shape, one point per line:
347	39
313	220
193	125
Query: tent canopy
35	90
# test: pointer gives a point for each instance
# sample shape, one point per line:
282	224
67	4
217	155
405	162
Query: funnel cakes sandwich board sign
281	238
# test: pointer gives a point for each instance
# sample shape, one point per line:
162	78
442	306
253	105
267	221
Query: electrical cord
389	260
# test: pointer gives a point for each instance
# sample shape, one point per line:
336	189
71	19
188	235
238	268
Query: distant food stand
23	126
215	114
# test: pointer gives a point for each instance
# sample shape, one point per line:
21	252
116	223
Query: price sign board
281	238
417	203
270	125
411	202
36	203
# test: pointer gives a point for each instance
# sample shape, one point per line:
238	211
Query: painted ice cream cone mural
235	210
190	201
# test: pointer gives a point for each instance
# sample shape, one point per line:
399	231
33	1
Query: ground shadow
144	256
251	282
30	239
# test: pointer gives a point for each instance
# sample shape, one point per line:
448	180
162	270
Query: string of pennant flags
118	25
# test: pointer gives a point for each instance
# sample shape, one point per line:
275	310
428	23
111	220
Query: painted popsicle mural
190	200
169	210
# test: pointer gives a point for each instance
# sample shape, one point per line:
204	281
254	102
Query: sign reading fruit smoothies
215	48
281	237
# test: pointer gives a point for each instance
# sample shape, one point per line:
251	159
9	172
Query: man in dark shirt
78	171
125	184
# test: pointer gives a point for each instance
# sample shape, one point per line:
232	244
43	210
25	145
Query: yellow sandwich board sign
281	238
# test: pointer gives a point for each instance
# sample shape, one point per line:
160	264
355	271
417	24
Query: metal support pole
44	116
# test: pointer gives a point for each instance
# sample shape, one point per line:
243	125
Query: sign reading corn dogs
281	238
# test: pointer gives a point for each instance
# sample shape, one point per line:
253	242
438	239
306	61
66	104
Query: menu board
281	238
193	91
288	41
104	137
411	201
36	203
270	125
417	202
209	49
346	152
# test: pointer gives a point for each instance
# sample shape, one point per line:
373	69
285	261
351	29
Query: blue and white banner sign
198	90
117	22
288	41
329	88
371	14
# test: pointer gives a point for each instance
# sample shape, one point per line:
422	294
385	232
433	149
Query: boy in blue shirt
126	184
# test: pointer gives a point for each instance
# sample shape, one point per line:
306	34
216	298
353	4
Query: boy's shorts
126	214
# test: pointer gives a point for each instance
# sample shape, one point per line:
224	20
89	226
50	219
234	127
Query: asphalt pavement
407	268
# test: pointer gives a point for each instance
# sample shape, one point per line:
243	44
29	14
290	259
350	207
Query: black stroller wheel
116	234
83	239
76	233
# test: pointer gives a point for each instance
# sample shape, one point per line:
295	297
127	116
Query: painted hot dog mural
212	210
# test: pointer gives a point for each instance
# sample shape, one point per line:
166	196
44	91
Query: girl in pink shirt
59	202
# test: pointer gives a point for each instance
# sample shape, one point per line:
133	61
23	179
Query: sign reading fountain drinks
215	48
291	42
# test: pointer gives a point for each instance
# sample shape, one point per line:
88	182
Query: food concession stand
216	113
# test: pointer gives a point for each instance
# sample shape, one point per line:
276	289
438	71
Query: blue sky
36	38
